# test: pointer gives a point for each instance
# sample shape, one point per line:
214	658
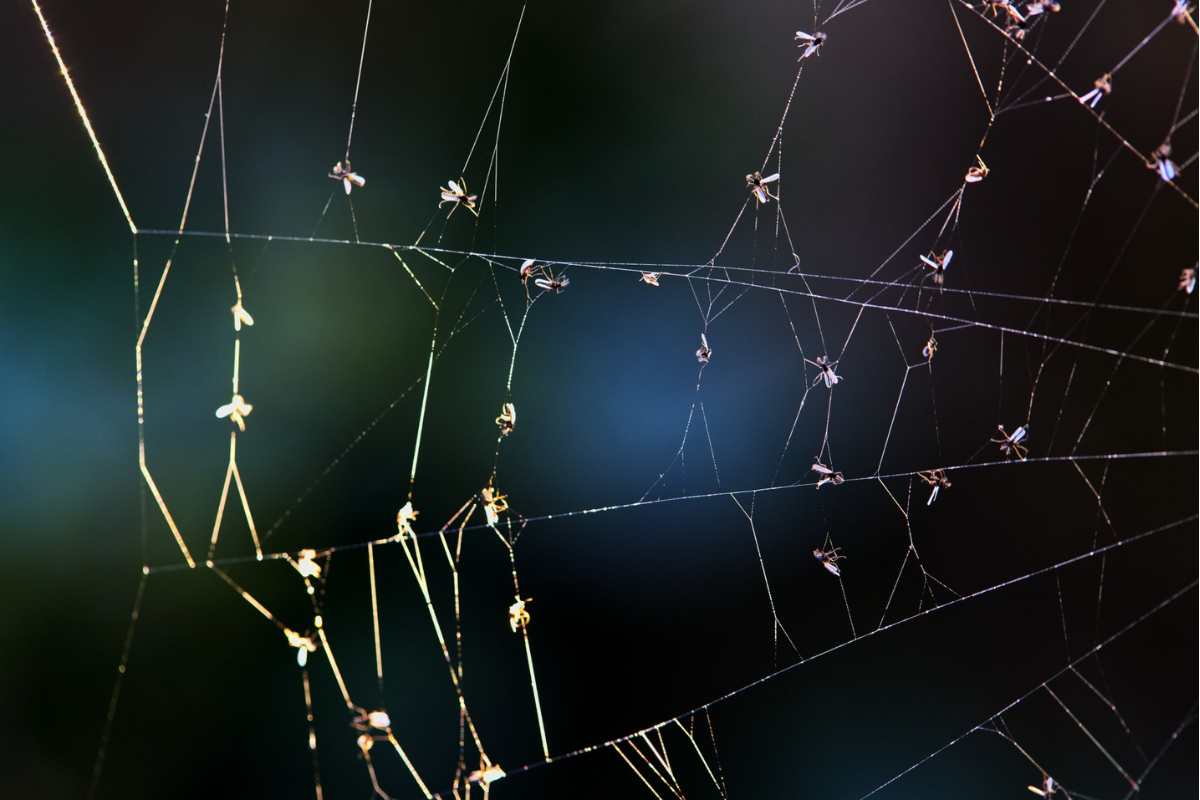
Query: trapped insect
458	196
827	374
1049	787
341	172
1041	7
237	410
240	317
937	479
1103	86
1187	280
650	278
978	172
494	504
517	613
507	419
757	184
1005	8
1010	444
1162	163
305	564
552	282
811	43
705	352
527	271
827	475
930	347
365	720
939	265
486	774
303	644
829	559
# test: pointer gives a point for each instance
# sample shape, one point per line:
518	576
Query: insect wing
226	410
346	182
801	36
770	178
1166	170
821	468
1017	435
358	179
832	567
945	262
302	656
760	194
932	495
454	188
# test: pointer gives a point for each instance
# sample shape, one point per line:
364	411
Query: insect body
507	419
306	566
705	352
458	196
493	504
240	317
237	410
1010	443
341	172
517	614
930	347
486	774
373	719
1162	163
811	43
1103	86
651	278
758	186
1049	787
552	283
1187	280
939	265
829	559
827	373
827	475
303	644
937	479
978	172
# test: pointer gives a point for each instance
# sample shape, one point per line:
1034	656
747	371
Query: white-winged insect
938	264
930	347
998	7
1103	86
1182	13
811	42
827	475
527	271
554	283
303	644
518	615
937	479
705	352
405	517
827	373
1042	7
306	565
1187	279
341	172
494	504
1049	787
829	559
507	419
978	172
237	410
1010	443
240	317
758	186
366	720
1162	163
485	774
457	195
650	278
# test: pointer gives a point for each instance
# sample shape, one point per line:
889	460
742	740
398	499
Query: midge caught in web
978	172
829	556
507	421
518	615
1010	444
1103	86
705	352
938	265
1160	161
341	172
1187	279
930	347
458	196
827	475
1048	788
237	410
827	373
758	186
811	42
937	479
240	317
650	278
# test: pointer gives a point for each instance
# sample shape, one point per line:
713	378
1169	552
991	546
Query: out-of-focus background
626	134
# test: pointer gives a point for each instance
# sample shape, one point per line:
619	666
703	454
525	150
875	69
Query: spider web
734	571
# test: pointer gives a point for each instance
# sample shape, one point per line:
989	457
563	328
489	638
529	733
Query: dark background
627	130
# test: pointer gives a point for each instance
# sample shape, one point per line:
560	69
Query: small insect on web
1103	87
827	475
827	372
457	195
937	264
937	479
341	172
811	42
1010	444
758	187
